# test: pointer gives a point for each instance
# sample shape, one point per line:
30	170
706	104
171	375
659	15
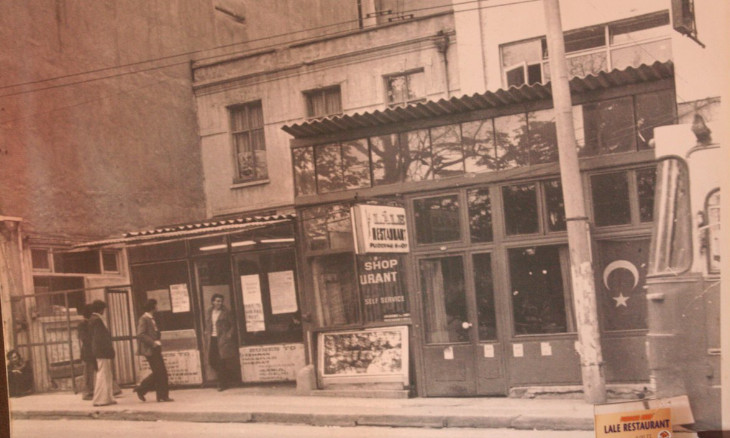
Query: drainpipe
442	45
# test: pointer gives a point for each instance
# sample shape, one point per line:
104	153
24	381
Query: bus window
712	215
671	244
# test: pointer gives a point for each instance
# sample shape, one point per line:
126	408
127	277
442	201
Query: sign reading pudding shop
379	229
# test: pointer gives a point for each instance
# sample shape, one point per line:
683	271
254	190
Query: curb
342	420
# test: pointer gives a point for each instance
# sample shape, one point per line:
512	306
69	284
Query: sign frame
379	229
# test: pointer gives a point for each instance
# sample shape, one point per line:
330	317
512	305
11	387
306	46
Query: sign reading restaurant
379	229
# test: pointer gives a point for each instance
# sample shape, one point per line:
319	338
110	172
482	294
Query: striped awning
192	229
488	100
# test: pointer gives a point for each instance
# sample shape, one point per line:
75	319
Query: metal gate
46	334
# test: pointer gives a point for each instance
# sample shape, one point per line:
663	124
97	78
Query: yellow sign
648	423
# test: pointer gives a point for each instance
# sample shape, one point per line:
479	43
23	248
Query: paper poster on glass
282	292
179	298
253	308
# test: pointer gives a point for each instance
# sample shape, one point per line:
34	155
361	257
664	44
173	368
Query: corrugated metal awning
488	100
192	229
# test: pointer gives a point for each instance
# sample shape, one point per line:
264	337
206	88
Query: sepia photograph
364	218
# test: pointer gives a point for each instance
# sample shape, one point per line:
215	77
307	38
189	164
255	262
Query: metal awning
488	100
192	229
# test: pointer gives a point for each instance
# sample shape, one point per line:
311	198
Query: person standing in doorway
103	351
222	349
149	346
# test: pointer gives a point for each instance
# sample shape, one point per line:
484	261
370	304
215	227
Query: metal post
581	266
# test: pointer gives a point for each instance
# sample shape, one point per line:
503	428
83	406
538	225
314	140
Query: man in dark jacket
103	350
223	348
149	346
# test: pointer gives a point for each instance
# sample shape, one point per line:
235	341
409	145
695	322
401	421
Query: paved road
162	429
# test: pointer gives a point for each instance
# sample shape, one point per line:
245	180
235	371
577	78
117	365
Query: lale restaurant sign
379	229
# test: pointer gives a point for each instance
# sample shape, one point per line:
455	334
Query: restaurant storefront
480	302
252	263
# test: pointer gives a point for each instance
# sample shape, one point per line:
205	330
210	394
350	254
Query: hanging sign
253	309
179	298
381	286
379	229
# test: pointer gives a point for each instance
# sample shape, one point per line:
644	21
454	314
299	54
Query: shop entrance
462	353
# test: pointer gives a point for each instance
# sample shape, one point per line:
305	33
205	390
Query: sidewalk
282	405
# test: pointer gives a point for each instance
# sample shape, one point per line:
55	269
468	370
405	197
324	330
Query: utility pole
579	233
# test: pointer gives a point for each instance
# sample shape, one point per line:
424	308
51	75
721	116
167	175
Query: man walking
149	346
223	349
103	351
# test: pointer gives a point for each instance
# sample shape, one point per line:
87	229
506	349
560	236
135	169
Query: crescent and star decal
620	264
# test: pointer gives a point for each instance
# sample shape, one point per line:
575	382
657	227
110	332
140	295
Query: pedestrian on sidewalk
149	346
103	351
223	348
87	356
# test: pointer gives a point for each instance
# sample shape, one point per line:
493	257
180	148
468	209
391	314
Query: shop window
40	258
208	245
448	156
83	262
270	304
419	155
520	209
554	205
110	261
480	154
327	227
304	179
543	136
611	204
712	217
645	184
249	146
511	140
442	282
356	164
405	88
342	166
329	168
167	282
437	219
389	161
480	215
622	277
69	298
653	110
484	288
336	298
609	127
538	295
323	102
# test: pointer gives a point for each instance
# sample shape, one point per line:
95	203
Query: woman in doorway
222	350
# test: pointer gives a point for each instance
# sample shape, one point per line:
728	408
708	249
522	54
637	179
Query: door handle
466	325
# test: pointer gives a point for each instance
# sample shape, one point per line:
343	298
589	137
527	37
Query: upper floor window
41	259
324	102
405	88
590	50
249	146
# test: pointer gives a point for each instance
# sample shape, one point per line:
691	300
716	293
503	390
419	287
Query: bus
683	281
